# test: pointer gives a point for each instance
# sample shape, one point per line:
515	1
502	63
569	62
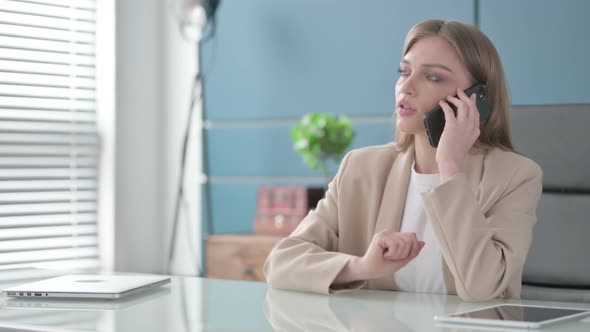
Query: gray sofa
557	137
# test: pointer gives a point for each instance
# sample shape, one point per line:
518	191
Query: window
48	137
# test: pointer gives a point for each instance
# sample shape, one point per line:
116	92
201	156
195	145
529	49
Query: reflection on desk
74	314
194	304
364	310
86	304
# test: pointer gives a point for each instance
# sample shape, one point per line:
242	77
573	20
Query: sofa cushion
532	292
556	137
561	243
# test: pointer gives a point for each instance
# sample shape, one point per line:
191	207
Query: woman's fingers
467	112
461	106
395	250
399	245
414	249
449	115
476	112
417	249
400	263
466	106
406	247
388	245
413	243
388	252
473	111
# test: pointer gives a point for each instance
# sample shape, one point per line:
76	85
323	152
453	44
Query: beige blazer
483	219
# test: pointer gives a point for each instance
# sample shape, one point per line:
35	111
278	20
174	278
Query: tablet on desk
515	316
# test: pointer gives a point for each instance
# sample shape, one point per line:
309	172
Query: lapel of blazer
394	194
392	204
394	199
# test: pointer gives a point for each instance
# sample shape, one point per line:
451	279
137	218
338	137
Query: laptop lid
87	286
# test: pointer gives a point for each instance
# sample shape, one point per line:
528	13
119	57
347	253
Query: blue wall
278	59
545	48
270	62
273	61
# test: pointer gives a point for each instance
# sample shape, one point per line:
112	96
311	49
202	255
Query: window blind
48	140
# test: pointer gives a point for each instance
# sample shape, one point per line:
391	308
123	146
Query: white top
424	273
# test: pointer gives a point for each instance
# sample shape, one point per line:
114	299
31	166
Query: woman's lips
406	111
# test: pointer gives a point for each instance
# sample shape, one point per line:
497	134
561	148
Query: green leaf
318	137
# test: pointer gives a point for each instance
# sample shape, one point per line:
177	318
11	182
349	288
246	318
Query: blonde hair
483	63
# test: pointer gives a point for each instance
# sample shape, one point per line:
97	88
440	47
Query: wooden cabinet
238	257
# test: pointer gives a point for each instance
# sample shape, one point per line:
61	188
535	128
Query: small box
281	208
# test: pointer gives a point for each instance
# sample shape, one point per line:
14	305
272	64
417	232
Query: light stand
192	17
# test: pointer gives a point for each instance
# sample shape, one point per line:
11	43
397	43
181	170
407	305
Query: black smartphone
434	121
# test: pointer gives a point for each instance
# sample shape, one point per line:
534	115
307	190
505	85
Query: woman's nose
407	86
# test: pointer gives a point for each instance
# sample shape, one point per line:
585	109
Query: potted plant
318	137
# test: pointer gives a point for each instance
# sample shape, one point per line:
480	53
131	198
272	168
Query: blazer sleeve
486	253
308	259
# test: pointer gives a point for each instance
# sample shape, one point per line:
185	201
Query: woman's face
429	72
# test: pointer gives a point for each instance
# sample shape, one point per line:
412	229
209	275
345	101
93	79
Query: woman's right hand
388	252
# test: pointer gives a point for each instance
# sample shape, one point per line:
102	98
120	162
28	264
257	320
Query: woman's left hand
459	135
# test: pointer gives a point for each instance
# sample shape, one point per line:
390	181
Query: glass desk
194	304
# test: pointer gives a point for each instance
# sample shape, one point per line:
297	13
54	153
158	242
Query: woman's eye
403	72
433	78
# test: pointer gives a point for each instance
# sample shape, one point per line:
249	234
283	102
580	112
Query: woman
456	219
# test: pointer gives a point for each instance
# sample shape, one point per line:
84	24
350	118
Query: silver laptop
87	286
